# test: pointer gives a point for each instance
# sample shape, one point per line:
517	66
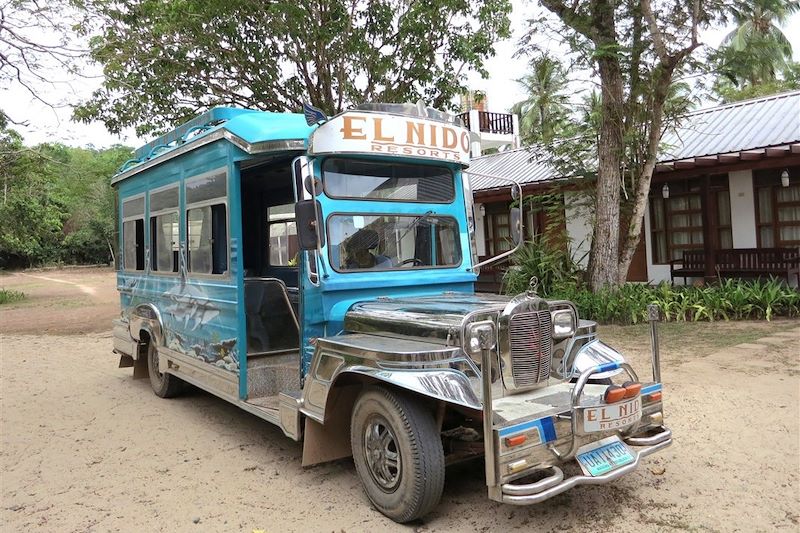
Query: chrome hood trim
438	318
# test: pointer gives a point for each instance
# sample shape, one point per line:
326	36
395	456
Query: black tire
164	385
406	435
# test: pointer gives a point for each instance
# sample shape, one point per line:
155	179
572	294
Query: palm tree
544	111
757	49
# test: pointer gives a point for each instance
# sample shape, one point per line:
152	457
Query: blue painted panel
200	313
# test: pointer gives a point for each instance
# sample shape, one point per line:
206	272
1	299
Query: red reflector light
516	440
614	393
632	389
655	397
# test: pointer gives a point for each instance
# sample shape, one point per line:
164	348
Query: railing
501	123
740	262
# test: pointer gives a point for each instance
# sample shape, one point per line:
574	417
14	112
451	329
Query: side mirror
516	225
308	215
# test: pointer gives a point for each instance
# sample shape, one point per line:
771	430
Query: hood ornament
533	287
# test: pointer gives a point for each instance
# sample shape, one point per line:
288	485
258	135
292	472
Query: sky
48	124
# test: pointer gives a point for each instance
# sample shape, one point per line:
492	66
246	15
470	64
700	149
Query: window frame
269	236
184	220
771	182
444	168
412	268
160	212
131	218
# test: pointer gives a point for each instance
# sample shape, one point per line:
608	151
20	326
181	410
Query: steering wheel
414	260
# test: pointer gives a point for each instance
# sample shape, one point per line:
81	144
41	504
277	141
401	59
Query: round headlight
563	323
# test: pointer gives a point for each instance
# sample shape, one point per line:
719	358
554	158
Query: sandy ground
84	447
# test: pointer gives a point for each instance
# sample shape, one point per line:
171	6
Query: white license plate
612	416
603	456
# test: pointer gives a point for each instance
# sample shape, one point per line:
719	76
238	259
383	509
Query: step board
269	375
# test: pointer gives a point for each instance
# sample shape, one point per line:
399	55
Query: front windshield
392	242
377	180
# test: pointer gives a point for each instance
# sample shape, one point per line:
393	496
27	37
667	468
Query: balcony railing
500	123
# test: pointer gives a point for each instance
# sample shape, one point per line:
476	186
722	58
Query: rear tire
398	453
164	385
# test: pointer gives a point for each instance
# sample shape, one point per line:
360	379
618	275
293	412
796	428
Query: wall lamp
482	209
665	191
785	177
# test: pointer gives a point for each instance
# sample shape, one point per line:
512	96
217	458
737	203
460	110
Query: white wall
579	226
743	209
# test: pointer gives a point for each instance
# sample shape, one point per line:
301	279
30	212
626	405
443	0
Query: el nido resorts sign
381	134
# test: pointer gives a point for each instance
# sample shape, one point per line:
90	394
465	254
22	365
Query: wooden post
710	222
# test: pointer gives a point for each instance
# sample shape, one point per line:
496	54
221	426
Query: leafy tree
57	203
36	45
544	112
165	61
637	50
756	51
789	81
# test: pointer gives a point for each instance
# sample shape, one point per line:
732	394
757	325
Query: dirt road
84	447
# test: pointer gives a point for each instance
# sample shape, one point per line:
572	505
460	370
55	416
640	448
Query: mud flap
125	361
140	368
331	441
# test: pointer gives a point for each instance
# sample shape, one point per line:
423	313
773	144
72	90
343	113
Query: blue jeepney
319	273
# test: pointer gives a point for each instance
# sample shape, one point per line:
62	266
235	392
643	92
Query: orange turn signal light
516	440
655	397
614	393
632	389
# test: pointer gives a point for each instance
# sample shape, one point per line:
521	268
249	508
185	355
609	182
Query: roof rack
183	133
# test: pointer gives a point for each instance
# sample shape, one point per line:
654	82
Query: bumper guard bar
556	484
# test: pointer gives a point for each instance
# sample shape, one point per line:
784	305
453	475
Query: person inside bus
358	249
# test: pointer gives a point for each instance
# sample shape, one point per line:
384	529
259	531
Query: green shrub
9	296
552	266
730	299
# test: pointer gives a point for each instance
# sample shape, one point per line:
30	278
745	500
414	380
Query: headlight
563	323
480	336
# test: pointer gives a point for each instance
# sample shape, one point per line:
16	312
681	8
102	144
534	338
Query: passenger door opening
270	250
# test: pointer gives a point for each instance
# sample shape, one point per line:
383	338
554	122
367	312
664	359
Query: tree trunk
605	248
634	233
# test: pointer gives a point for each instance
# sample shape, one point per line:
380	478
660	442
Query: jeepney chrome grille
531	347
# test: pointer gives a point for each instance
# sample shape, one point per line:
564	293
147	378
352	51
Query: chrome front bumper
555	483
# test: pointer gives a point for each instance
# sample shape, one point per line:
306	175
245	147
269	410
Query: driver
358	251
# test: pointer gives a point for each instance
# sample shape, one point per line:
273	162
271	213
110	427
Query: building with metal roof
726	188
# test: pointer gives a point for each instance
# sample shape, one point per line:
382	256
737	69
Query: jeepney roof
251	130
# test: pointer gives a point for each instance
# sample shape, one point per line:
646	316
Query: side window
133	234
164	230
207	224
282	230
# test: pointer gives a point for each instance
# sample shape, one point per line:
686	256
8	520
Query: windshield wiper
414	224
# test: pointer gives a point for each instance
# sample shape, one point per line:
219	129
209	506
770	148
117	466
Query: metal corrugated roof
747	125
525	165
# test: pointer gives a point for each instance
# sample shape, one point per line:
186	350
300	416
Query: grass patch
682	340
8	296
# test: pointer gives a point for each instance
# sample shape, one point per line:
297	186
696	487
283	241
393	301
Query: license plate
612	416
603	456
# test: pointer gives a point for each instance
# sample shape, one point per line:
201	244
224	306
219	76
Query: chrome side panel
426	368
124	344
147	317
211	378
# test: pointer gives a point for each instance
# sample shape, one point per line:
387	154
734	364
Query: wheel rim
382	453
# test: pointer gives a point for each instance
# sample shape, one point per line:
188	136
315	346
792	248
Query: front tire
164	385
398	453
